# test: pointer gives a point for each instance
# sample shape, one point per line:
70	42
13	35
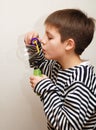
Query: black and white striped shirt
68	96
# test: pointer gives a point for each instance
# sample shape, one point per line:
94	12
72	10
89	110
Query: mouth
43	50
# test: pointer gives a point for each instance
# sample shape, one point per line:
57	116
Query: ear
70	44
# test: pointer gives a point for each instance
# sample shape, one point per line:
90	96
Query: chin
47	57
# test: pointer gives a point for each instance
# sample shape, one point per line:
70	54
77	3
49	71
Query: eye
50	38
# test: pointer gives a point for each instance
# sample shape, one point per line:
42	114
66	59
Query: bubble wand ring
35	42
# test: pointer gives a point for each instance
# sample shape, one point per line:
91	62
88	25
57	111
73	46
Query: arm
71	113
53	106
37	59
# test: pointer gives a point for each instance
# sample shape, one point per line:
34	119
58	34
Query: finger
26	38
32	77
36	35
32	84
31	35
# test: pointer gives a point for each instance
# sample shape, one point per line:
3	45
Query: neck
70	61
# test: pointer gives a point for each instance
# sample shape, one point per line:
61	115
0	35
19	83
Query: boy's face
52	46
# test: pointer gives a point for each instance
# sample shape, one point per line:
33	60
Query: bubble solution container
37	72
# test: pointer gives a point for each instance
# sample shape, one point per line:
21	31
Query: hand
36	79
29	36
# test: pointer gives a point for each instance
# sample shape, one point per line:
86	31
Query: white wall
20	108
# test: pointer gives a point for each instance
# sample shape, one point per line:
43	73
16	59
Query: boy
68	91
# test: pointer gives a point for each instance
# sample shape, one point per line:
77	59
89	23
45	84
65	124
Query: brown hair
73	23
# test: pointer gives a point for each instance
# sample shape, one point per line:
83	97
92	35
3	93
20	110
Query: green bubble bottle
37	72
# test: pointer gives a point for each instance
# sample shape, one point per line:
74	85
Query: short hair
73	23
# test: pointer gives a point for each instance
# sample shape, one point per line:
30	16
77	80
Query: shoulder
85	76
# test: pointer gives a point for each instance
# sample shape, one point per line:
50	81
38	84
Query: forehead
51	29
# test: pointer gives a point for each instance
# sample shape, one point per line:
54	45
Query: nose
43	40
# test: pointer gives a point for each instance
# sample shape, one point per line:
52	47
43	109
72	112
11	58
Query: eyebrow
48	33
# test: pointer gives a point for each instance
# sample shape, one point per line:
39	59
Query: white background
20	108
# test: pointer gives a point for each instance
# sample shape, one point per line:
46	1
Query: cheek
50	52
53	50
54	53
58	52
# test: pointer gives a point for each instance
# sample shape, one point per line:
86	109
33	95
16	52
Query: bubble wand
35	42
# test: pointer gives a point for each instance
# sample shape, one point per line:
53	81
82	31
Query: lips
43	50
